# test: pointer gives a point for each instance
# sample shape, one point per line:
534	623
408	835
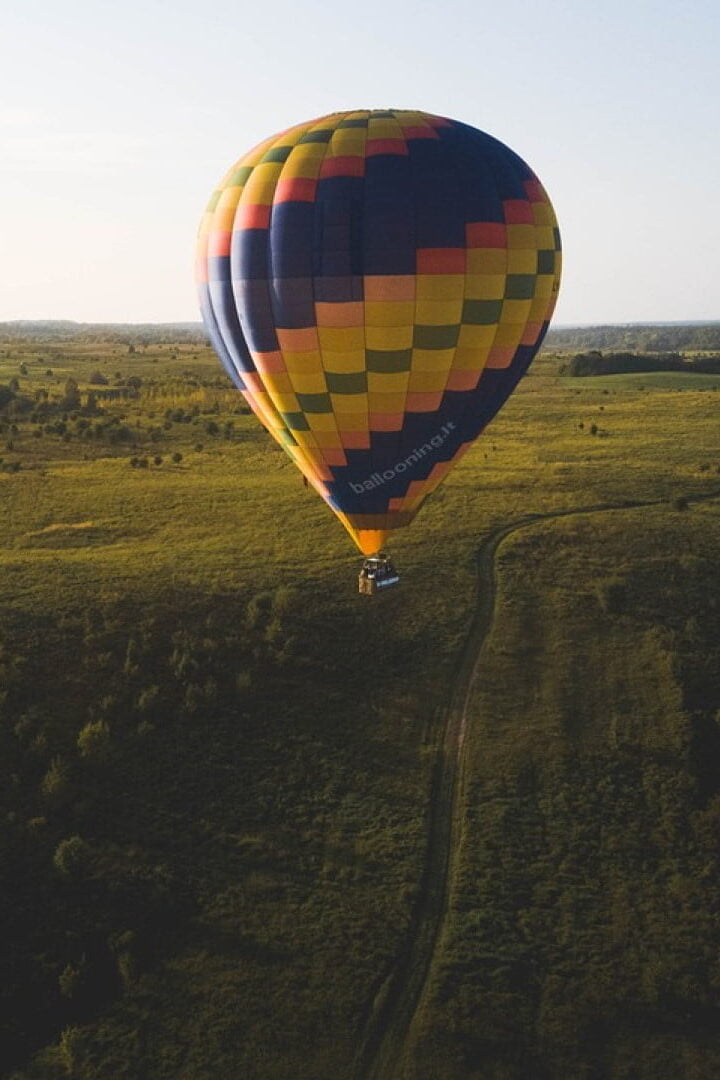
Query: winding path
390	1015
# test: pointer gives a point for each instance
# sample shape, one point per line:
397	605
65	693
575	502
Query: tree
71	397
177	458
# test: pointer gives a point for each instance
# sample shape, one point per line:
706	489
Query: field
218	760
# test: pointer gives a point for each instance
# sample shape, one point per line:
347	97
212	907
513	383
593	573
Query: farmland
217	759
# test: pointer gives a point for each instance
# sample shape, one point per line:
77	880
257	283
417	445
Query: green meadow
217	759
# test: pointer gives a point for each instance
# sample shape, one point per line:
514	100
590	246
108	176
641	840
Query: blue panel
216	339
249	253
228	326
389	219
292	239
437	195
293	303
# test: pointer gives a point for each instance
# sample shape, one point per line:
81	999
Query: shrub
72	857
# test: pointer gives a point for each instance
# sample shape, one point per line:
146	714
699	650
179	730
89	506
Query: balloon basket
376	575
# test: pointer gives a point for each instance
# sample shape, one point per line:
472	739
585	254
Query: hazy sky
117	119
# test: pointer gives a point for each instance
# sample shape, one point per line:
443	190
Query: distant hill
638	337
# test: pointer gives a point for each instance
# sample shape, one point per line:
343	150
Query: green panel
546	262
295	421
386	362
353	382
354	122
481	312
240	176
520	287
323	135
314	403
277	153
435	337
556	237
213	201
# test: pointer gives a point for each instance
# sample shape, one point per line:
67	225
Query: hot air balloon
376	283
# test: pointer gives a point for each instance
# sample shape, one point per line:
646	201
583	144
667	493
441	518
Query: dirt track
391	1013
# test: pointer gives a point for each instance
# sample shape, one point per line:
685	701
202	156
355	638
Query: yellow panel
229	198
438	312
353	421
285	402
305	439
348	142
432	359
515	311
485	287
349	403
321	421
313	383
545	237
543	214
330	440
268	171
389	383
399	313
541	306
304	161
389	337
302	362
383	128
470	359
478	337
278	383
343	363
341	338
509	334
520	236
522	262
386	403
486	260
544	286
427	381
439	286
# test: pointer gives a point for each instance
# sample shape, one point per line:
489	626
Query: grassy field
216	757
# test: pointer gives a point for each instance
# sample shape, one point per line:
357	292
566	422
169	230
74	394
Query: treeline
643	337
47	331
626	363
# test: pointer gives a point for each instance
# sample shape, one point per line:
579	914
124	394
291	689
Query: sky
118	119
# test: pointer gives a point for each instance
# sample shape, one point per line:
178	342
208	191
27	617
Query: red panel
219	243
419	133
518	212
343	166
355	440
463	380
422	402
386	146
485	234
295	189
440	261
252	216
535	191
386	421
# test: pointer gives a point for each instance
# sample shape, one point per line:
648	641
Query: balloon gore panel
376	283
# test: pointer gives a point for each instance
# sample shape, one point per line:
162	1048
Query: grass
254	807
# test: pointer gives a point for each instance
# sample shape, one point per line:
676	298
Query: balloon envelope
376	283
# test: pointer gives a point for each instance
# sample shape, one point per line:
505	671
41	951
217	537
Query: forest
217	761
